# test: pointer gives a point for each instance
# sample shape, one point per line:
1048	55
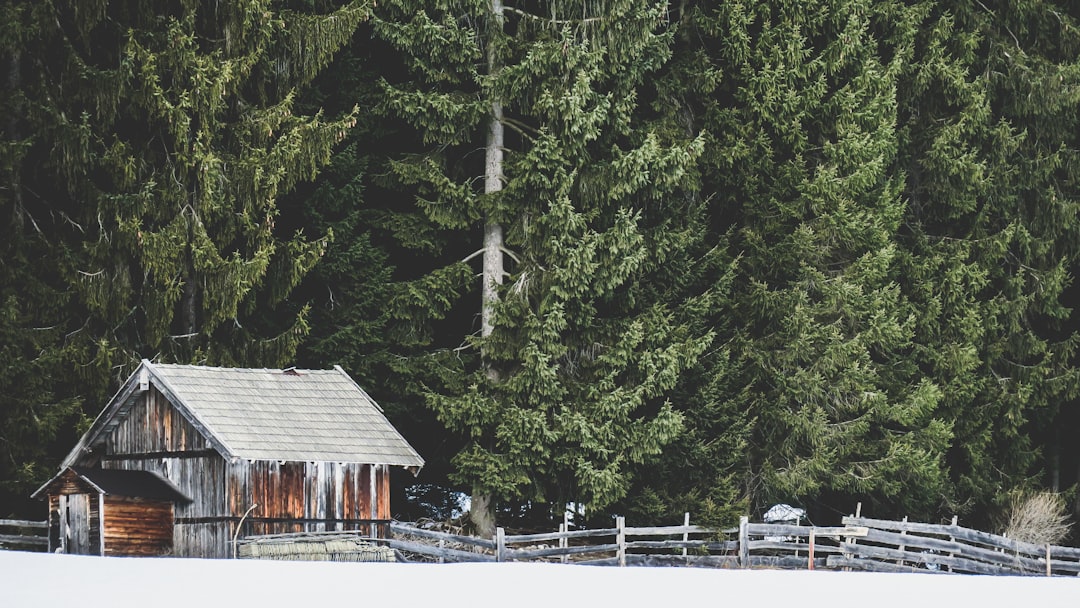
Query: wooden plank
398	528
562	539
1073	552
957	563
728	545
20	523
744	542
546	536
870	565
14	539
804	531
1067	566
790	546
671	530
1010	560
446	553
686	535
521	554
691	561
620	539
960	533
789	562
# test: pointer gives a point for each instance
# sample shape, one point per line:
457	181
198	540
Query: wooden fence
907	546
859	544
22	535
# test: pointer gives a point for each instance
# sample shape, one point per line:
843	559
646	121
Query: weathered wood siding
74	517
54	523
155	437
153	425
306	496
80	518
135	527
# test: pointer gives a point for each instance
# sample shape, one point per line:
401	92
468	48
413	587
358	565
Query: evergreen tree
812	380
34	407
145	148
988	129
562	387
175	133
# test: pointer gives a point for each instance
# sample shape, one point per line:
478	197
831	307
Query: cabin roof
265	414
112	482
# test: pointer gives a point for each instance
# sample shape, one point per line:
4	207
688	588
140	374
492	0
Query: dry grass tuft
1040	518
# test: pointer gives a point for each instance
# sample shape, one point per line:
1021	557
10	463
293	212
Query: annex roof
112	482
265	414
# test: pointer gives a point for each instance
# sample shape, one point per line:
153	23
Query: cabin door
75	524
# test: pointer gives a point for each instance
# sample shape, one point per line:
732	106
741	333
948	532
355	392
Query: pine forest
634	257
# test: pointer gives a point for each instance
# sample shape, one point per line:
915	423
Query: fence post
744	542
686	535
620	538
500	544
902	547
810	560
563	541
952	539
1048	559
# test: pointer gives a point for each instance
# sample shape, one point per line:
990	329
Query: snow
45	581
783	512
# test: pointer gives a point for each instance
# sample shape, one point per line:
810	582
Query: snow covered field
47	581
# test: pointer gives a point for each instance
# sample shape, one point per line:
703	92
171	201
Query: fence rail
859	544
23	535
911	546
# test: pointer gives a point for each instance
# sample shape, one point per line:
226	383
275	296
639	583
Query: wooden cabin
185	457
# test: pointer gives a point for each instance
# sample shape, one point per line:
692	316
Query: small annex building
183	454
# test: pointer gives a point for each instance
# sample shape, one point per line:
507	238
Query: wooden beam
19	523
15	539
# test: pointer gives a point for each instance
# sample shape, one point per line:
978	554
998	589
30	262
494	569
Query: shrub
1040	518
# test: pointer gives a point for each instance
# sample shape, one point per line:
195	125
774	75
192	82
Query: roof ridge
242	369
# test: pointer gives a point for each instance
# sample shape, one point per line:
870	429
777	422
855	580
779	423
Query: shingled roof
264	414
113	482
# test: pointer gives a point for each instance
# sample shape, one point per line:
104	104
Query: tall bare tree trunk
14	82
482	511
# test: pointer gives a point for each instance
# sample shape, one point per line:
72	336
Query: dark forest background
641	257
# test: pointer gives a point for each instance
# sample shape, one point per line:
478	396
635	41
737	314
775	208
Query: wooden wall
79	529
155	437
139	528
74	516
153	425
307	496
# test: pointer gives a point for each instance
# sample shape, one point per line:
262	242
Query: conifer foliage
641	256
988	122
145	148
178	136
803	117
569	386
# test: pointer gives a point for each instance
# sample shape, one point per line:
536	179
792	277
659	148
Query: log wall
138	528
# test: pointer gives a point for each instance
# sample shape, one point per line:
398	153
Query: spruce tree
168	133
146	146
812	381
561	385
988	125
